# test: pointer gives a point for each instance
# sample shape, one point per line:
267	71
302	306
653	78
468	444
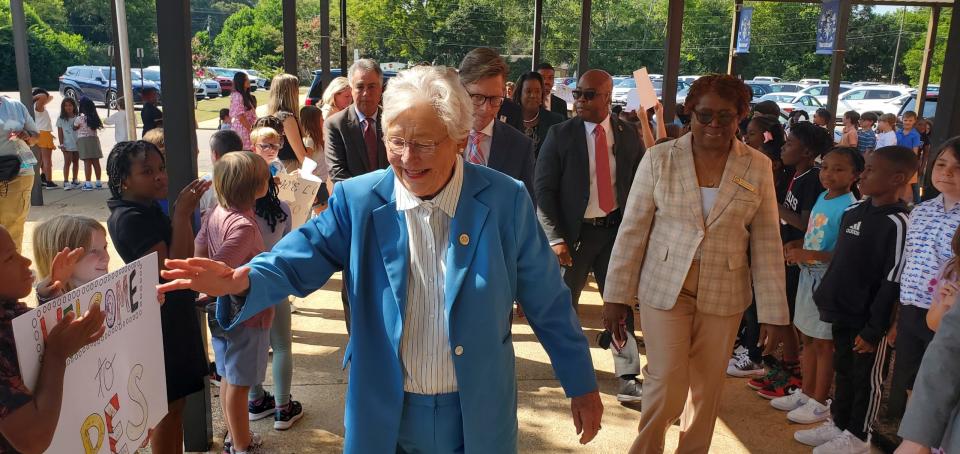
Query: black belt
610	220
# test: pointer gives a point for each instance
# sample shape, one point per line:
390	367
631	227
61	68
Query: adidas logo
854	229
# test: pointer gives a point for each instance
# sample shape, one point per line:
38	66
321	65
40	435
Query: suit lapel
498	150
465	229
681	154
356	134
580	154
391	231
737	164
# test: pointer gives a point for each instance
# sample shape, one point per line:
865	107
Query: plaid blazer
663	227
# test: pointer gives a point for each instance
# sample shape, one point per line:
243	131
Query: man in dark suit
492	142
551	102
584	173
354	143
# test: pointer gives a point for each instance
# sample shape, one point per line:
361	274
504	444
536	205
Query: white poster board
114	390
646	95
298	189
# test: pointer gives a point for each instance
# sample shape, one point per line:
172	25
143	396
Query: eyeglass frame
494	101
415	146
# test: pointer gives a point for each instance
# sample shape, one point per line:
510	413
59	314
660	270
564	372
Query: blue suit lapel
465	227
391	231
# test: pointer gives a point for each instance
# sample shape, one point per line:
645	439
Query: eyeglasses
479	100
724	118
586	94
424	148
268	146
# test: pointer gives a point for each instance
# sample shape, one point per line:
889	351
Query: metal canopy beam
671	64
734	31
583	63
22	59
325	76
343	38
839	52
290	37
944	3
928	50
537	32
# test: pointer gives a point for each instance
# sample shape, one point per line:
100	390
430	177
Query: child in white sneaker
838	172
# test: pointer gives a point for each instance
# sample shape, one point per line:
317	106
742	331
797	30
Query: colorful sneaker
99	185
227	443
791	401
67	186
780	388
845	443
630	391
811	412
744	367
818	435
773	374
263	408
256	445
86	186
285	418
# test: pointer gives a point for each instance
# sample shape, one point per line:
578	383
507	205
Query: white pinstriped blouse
425	344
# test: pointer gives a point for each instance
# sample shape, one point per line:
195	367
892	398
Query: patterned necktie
370	138
474	155
604	184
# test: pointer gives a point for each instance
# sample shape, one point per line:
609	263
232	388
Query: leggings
280	342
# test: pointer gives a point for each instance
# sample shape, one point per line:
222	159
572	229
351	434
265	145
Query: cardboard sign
114	390
298	189
645	92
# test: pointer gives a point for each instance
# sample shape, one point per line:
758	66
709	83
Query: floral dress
238	110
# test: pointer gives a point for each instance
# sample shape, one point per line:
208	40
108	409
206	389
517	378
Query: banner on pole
827	26
744	29
114	390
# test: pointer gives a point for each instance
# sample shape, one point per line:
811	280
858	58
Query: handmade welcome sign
113	389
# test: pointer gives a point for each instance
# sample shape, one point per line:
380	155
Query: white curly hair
437	85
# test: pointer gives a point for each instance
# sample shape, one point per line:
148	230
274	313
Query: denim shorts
807	316
242	354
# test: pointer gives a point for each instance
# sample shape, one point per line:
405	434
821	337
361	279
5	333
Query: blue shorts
807	316
241	355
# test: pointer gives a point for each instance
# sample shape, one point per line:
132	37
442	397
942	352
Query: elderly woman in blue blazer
437	251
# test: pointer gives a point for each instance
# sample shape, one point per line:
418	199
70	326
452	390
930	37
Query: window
855	95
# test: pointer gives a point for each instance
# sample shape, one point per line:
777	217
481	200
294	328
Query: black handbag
9	168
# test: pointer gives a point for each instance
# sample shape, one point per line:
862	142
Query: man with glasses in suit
583	177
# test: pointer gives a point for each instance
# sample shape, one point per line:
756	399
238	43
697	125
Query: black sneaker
262	410
50	185
285	419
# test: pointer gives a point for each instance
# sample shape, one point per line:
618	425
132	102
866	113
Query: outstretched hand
61	270
587	411
71	333
205	276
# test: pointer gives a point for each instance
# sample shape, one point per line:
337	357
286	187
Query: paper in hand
645	91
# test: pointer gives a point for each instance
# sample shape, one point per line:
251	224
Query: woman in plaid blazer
700	234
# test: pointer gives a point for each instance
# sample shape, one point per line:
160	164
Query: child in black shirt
857	295
151	115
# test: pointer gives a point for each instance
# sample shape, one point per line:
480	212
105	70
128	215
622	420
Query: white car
822	91
198	91
688	79
813	81
790	102
621	89
770	79
255	78
877	98
212	88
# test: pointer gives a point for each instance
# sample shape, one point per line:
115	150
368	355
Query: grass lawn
209	109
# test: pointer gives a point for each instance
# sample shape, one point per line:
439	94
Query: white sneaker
67	186
744	367
790	402
845	443
738	353
818	435
87	186
811	412
630	391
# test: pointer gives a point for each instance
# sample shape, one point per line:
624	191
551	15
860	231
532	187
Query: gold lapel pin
745	184
464	239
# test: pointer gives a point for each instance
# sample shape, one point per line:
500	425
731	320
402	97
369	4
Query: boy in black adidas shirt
857	295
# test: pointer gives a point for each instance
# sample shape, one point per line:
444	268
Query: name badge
745	184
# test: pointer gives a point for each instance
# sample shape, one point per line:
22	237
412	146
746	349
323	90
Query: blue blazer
496	254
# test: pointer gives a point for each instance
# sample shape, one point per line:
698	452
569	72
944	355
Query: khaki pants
14	206
687	354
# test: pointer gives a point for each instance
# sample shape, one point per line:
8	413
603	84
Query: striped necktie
474	155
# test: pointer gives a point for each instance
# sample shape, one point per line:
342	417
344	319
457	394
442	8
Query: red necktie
370	137
604	186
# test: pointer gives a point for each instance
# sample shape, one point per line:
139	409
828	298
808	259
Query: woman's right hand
205	276
189	197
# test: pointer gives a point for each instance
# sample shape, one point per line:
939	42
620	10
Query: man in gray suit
492	142
584	173
354	143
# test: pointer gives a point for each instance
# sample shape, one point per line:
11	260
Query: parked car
682	95
767	79
655	76
879	98
790	102
822	91
224	77
929	106
688	79
623	89
99	83
759	89
809	82
199	92
786	87
255	78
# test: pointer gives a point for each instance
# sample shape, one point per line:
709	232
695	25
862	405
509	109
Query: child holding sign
29	420
230	234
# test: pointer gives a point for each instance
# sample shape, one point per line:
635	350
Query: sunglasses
724	118
586	94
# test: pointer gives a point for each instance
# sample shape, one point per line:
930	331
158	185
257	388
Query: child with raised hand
70	251
68	142
230	235
932	226
838	173
138	227
29	420
88	142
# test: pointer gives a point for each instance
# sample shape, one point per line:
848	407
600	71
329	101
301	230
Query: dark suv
315	94
99	84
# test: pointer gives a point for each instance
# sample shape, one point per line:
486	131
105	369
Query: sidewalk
747	423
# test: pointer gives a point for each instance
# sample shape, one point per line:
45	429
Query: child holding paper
29	420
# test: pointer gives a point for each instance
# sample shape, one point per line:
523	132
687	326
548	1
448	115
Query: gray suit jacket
563	175
933	413
512	153
345	148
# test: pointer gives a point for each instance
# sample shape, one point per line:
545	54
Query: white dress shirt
548	101
425	344
485	142
593	203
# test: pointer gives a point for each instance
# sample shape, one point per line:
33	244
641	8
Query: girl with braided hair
138	227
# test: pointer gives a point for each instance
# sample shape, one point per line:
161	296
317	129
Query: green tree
913	58
51	51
